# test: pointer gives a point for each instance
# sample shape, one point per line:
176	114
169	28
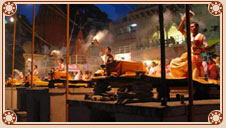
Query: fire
56	52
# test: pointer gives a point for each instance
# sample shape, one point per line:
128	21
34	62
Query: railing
77	59
138	46
125	49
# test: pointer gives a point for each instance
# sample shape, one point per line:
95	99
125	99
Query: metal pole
13	59
163	72
13	56
190	83
76	58
33	45
67	87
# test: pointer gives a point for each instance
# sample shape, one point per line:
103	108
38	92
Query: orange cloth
61	75
14	81
123	67
179	66
35	78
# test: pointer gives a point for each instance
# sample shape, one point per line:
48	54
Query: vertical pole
33	45
13	58
163	72
190	83
76	59
67	86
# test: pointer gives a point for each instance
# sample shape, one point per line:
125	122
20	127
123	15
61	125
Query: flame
57	52
29	59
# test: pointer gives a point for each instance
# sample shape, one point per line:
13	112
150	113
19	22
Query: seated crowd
211	68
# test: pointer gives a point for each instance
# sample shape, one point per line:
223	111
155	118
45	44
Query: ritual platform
42	104
99	111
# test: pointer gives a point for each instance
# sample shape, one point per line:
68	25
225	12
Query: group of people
201	68
155	68
210	65
19	77
80	76
177	68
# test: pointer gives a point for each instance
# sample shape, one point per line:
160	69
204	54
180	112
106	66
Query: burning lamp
94	41
55	52
191	14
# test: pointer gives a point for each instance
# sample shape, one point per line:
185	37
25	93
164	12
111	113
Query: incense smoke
195	19
148	27
104	37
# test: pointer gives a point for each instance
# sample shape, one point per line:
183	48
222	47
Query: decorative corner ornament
9	117
215	117
215	8
9	8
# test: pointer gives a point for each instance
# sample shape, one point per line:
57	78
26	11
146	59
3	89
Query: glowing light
56	52
11	19
147	62
123	57
29	60
133	25
96	37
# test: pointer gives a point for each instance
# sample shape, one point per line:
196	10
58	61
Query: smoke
104	37
151	25
200	22
101	34
168	19
147	27
59	53
196	19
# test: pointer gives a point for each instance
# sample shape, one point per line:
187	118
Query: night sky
27	10
114	11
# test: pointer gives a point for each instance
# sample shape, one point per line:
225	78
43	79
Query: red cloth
198	64
213	72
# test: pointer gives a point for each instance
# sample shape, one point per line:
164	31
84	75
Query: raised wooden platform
96	111
48	104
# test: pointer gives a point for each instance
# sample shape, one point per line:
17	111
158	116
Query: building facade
138	32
